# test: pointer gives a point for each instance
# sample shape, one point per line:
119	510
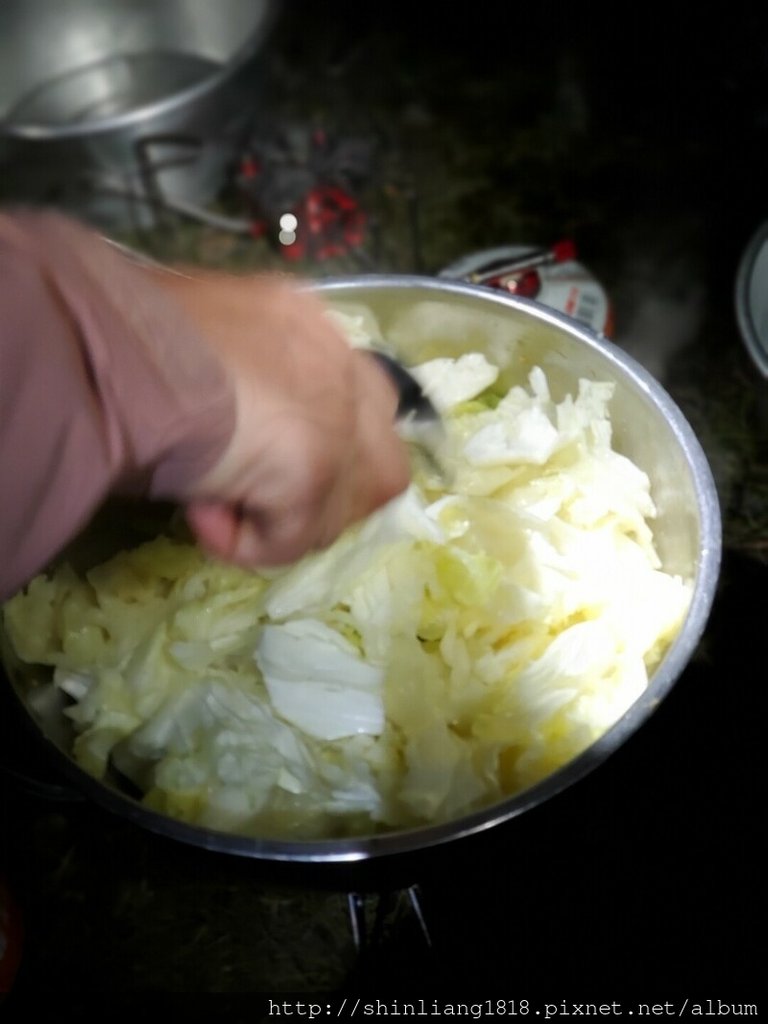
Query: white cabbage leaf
449	382
317	680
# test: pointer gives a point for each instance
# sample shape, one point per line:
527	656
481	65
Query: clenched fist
314	447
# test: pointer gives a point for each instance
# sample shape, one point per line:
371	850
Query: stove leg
414	898
375	922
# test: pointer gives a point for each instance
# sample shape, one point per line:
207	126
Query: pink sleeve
103	387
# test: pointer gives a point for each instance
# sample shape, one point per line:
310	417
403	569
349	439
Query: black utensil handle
412	401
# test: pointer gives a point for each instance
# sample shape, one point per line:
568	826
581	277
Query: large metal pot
421	313
110	107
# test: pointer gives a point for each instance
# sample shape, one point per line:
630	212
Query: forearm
103	386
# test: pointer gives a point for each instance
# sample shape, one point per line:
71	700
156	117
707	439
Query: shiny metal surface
96	96
752	298
414	314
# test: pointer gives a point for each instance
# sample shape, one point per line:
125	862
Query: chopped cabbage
318	681
449	382
457	647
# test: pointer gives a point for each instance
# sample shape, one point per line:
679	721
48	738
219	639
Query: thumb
247	537
216	526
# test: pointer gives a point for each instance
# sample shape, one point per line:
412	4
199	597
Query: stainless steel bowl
424	314
108	104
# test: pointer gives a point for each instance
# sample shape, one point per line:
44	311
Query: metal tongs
418	421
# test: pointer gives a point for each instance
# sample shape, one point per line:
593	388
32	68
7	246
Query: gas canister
550	275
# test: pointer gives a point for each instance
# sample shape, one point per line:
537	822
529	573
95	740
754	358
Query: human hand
314	447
